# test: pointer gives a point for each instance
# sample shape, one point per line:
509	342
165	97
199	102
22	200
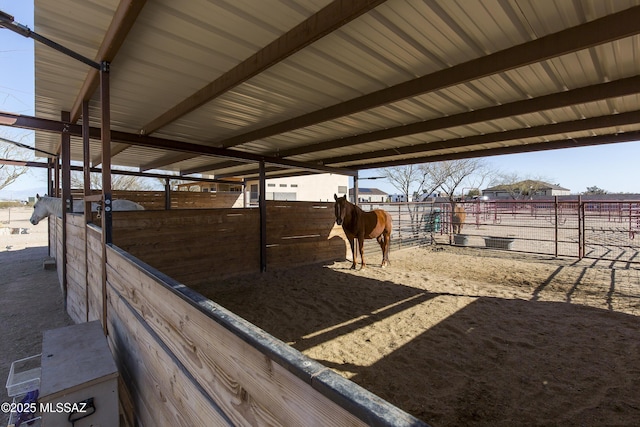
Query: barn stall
181	356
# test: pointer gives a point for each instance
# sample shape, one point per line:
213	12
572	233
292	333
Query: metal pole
167	194
67	202
555	198
56	178
86	162
107	237
86	157
355	189
106	154
7	21
580	228
263	218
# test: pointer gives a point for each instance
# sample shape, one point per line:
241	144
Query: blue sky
613	167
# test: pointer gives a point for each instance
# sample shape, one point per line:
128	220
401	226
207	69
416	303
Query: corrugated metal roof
330	101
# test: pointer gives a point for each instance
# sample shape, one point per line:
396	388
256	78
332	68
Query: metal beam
609	28
211	167
113	151
33	123
169	159
123	19
581	95
621	119
558	144
115	172
250	172
330	18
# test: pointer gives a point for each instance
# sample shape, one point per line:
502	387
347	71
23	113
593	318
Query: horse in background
458	216
358	224
46	206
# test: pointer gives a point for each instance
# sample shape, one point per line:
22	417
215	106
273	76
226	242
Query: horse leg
353	254
385	244
382	242
361	247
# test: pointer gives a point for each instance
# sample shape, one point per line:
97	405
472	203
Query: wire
21	145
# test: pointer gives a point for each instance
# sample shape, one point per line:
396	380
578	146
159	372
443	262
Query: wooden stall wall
192	200
53	236
301	233
192	246
188	361
55	244
94	272
76	268
156	200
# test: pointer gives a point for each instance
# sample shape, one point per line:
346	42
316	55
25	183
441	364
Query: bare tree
470	173
403	178
118	182
9	151
433	177
448	176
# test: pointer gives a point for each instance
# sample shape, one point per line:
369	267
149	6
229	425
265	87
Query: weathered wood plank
240	377
164	391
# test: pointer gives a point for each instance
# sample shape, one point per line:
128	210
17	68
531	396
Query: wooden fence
192	246
184	360
157	200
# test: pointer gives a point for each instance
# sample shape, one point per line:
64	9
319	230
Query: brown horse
359	224
458	216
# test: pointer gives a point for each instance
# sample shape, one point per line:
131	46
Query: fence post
399	225
555	199
580	228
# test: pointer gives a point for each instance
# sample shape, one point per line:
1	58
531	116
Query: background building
526	189
372	195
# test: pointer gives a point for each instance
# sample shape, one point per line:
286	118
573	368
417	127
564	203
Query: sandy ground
31	296
455	336
460	336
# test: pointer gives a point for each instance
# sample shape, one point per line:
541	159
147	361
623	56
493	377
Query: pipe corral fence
608	230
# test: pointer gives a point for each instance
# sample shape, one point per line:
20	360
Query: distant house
367	195
398	198
526	189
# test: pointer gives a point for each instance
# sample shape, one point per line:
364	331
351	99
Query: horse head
340	208
40	211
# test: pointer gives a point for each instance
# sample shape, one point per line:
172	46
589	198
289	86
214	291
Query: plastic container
27	417
461	239
24	376
499	242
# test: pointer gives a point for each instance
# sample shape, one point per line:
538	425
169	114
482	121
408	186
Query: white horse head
44	207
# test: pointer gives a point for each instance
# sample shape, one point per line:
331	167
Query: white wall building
312	188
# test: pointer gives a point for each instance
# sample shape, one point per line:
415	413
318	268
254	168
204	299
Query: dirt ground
455	336
31	296
460	336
